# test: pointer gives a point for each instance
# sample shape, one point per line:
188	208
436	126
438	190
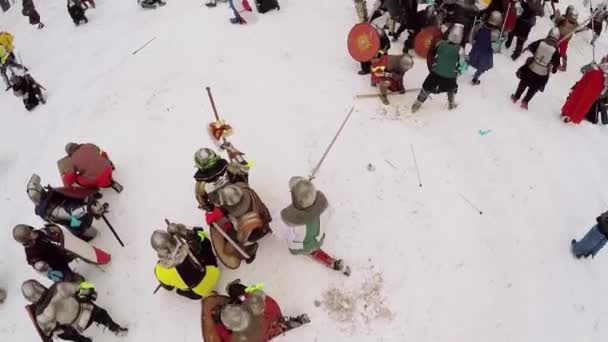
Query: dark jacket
45	248
527	19
602	223
481	56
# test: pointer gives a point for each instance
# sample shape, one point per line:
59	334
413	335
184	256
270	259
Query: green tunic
448	57
313	239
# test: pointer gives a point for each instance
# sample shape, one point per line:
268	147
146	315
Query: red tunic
271	323
380	74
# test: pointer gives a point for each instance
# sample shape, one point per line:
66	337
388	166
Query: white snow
426	266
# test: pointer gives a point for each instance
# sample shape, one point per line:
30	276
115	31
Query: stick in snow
156	290
141	48
316	169
471	204
391	164
112	229
416	164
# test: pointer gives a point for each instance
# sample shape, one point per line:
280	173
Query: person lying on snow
66	310
251	315
151	4
76	11
86	165
72	208
28	89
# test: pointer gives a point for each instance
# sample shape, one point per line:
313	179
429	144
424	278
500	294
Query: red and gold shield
363	42
210	305
425	39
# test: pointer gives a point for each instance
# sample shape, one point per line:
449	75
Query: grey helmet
32	290
406	63
205	158
34	189
230	195
495	19
163	243
569	9
303	192
22	233
256	302
572	14
456	34
71	147
235	317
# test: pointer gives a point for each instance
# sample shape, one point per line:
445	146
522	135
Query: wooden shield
232	261
425	39
363	42
209	305
64	164
30	312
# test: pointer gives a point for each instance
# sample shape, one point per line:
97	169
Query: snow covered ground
426	265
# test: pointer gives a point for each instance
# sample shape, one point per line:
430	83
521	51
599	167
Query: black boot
117	329
295	322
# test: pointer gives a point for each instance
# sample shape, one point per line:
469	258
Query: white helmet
32	290
572	15
456	34
34	189
163	243
495	19
303	192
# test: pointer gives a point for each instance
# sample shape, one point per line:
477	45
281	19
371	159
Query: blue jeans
591	244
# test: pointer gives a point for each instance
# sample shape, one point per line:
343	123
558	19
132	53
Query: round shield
210	305
222	251
363	42
425	39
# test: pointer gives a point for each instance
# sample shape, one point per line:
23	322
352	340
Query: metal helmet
495	19
553	34
71	148
456	34
32	290
256	302
235	317
572	14
230	195
22	233
406	62
163	243
303	192
34	189
205	158
569	9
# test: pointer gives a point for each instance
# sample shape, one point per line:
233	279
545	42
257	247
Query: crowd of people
442	31
190	258
187	256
